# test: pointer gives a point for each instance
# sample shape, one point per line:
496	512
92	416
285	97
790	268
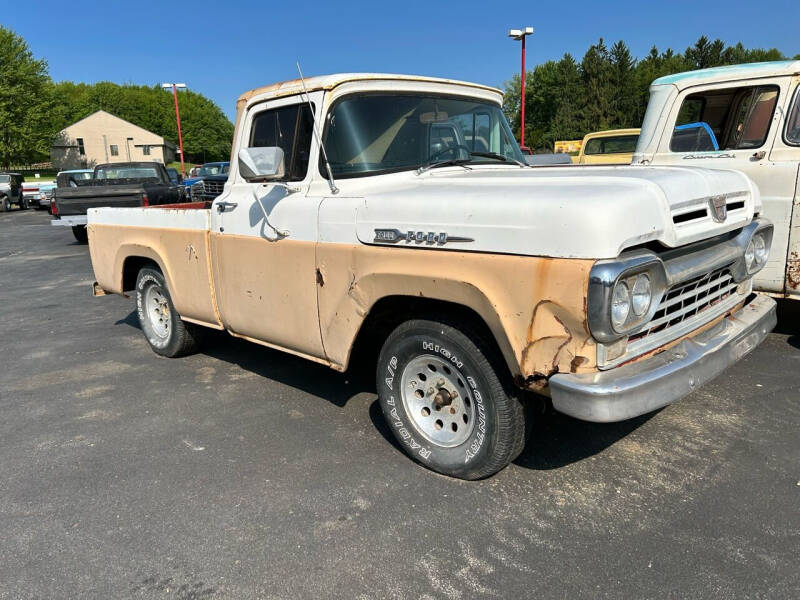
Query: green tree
25	100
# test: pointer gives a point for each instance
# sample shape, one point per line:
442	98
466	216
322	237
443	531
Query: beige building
104	138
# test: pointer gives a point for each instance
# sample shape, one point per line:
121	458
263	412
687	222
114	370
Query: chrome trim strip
640	387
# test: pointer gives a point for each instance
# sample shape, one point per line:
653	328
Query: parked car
212	169
614	146
11	191
743	117
113	184
41	200
465	277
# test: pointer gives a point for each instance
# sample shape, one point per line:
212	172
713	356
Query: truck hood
566	212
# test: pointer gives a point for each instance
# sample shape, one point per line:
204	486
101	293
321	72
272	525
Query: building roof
327	82
731	72
113	116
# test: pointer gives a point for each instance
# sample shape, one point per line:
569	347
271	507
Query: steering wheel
449	149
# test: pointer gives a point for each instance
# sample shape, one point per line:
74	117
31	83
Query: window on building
725	119
290	128
146	150
81	149
114	150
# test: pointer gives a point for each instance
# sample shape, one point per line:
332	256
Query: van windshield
375	133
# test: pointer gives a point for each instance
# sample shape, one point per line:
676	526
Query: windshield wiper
502	157
460	162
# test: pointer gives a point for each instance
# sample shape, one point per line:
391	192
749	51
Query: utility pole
520	35
175	87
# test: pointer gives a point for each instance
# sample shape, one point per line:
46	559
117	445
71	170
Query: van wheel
3	204
163	327
445	401
80	233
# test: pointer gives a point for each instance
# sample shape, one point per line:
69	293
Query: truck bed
77	200
176	237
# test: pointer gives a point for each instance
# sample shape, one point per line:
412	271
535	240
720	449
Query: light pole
520	34
175	87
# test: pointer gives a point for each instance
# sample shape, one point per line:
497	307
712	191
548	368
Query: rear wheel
161	324
80	233
3	204
24	203
445	400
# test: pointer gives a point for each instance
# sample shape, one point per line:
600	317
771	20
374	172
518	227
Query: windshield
5	178
212	170
384	133
127	173
86	175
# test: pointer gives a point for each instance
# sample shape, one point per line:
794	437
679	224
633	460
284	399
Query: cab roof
327	82
731	72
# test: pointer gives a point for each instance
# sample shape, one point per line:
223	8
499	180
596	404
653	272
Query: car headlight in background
620	305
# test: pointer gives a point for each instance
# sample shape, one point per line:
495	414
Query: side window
793	122
289	128
724	119
114	150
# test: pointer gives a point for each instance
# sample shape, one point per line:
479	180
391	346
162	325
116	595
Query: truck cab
742	117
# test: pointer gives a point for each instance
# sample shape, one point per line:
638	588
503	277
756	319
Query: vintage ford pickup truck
355	219
743	117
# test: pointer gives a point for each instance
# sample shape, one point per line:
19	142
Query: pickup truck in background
611	147
464	277
213	169
11	191
113	184
743	117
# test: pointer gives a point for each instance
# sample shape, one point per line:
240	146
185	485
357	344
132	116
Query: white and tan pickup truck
405	224
743	117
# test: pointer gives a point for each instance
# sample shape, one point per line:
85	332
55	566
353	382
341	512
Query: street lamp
175	87
520	34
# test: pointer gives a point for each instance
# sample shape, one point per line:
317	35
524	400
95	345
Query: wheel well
391	311
131	268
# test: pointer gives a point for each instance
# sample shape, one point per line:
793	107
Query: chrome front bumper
640	387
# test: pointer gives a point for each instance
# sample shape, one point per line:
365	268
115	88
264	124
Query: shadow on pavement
555	440
789	321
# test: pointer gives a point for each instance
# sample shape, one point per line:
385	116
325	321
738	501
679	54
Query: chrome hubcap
157	310
437	400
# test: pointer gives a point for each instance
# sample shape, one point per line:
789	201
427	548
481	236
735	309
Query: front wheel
80	233
161	324
3	204
445	401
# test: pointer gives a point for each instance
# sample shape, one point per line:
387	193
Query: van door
734	126
263	237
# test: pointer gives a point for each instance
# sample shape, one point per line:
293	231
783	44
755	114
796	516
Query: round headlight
641	295
760	249
620	305
750	256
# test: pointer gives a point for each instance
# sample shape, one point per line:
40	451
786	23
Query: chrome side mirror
261	164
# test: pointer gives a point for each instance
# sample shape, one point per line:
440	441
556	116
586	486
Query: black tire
181	338
3	204
80	233
497	435
24	203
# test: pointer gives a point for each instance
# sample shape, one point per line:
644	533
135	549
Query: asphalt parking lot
242	472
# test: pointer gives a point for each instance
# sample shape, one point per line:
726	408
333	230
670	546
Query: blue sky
224	48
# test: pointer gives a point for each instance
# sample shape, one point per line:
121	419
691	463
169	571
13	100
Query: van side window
289	128
727	119
793	122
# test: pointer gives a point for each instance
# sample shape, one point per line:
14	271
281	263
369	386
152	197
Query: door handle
758	155
223	206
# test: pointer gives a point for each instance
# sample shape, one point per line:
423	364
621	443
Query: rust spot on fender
793	271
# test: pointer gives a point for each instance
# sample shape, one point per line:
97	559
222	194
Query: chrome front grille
213	188
685	307
197	189
686	300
